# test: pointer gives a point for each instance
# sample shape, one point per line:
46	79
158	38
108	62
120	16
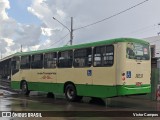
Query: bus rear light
123	76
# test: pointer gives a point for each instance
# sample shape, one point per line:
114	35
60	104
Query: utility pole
21	48
1	55
71	33
158	32
70	30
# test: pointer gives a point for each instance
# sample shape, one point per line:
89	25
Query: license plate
139	75
138	83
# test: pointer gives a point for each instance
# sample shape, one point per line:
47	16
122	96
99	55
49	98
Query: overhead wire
141	30
68	42
58	40
99	21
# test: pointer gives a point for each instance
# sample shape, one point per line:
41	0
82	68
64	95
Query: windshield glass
138	51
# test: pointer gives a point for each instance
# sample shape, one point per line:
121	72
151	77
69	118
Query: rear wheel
71	93
24	88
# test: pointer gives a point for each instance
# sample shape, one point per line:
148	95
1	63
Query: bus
102	69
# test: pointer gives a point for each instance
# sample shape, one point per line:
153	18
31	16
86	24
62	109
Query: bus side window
50	60
65	59
130	53
98	56
25	62
97	59
15	63
37	61
83	57
103	56
110	55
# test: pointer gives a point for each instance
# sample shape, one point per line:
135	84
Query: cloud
9	42
34	12
4	4
50	32
86	12
32	37
3	45
46	31
14	34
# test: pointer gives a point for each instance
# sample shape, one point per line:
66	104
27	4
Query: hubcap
24	87
70	93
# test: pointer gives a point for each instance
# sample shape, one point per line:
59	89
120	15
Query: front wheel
24	88
71	93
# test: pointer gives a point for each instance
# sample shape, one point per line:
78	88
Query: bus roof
85	45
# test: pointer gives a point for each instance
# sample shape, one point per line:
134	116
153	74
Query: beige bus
101	69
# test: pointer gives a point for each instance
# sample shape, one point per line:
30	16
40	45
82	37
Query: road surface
12	101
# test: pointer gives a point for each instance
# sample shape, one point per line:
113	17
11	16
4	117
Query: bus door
104	70
15	65
49	73
82	72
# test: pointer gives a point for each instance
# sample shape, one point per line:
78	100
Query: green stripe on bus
133	89
101	91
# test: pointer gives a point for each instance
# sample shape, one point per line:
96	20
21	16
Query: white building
155	45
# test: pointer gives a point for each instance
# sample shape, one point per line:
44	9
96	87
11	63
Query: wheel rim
70	93
24	87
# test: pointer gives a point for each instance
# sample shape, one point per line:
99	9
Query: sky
29	22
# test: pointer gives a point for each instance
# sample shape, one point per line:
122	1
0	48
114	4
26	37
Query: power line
59	40
134	32
111	16
141	30
68	42
70	30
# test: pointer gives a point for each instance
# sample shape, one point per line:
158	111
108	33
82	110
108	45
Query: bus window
15	63
65	59
83	57
50	60
25	62
37	61
137	51
103	56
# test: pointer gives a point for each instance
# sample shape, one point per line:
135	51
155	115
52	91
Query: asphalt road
11	101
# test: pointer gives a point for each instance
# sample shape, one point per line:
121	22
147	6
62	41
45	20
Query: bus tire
24	88
71	93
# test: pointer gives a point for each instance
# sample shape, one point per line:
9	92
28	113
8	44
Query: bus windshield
138	51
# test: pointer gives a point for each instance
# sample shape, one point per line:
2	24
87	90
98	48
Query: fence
155	84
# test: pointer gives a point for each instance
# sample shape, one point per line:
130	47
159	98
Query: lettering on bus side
48	73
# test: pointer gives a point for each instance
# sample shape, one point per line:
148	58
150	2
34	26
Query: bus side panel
15	85
104	76
120	68
74	75
102	91
38	80
40	86
15	81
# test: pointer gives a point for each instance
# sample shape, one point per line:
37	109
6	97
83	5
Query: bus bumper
133	89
